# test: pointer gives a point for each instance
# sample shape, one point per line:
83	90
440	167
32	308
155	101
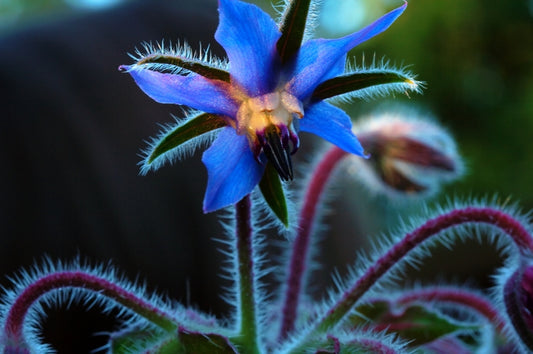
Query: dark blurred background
71	127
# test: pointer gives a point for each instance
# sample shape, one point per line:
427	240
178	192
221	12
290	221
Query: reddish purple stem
300	249
432	227
77	279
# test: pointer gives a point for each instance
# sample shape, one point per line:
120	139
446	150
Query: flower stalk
247	336
301	246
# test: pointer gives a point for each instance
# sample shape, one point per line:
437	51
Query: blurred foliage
477	62
15	13
18	12
475	58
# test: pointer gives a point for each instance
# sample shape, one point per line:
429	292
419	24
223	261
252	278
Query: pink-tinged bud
409	154
518	299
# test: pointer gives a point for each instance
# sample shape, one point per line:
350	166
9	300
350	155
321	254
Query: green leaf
195	342
272	191
143	340
176	64
134	339
198	125
292	28
362	80
417	324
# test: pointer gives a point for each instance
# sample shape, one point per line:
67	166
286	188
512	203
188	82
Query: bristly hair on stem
298	267
496	221
55	283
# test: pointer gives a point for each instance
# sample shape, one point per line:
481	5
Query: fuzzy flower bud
409	154
518	299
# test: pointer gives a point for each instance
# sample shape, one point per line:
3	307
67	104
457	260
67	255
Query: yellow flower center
269	124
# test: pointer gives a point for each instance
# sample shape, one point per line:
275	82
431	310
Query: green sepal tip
272	191
176	64
198	125
292	28
362	80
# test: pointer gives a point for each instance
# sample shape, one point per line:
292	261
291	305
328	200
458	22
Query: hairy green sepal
174	63
359	81
272	191
292	28
198	125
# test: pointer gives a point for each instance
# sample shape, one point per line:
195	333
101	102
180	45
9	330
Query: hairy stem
78	279
247	302
516	307
483	215
300	249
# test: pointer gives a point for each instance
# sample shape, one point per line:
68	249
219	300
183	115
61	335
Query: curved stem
78	279
300	249
245	269
457	296
515	307
484	215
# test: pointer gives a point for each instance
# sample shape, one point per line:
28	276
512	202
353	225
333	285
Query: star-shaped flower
273	87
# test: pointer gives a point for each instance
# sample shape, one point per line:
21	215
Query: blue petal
193	90
319	59
331	124
232	170
249	36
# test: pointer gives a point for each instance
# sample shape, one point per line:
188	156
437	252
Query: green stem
247	337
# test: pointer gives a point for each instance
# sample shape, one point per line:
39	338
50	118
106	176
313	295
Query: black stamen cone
277	153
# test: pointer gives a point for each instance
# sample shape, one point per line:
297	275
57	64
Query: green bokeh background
476	59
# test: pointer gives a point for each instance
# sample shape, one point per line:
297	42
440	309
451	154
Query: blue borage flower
275	87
